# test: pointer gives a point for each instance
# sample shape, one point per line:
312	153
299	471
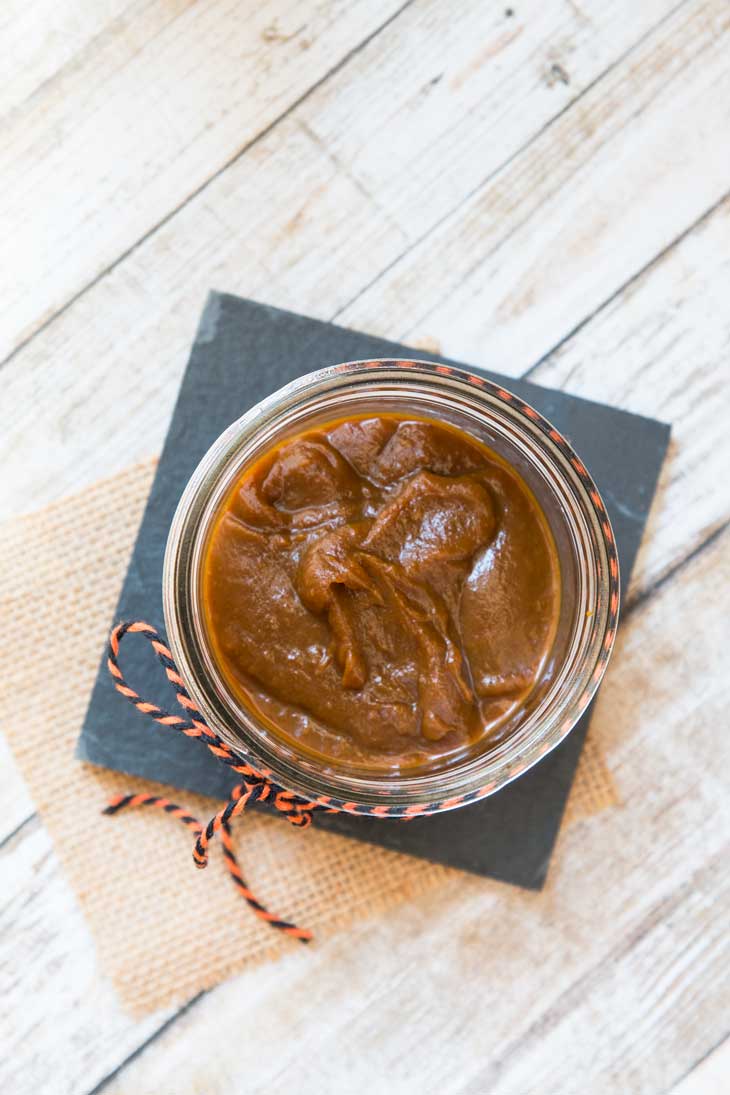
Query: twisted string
255	786
121	802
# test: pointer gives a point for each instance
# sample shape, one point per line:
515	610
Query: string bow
255	785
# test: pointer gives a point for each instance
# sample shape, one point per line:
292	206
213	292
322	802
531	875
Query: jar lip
444	788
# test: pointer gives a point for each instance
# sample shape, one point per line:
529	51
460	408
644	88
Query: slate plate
244	351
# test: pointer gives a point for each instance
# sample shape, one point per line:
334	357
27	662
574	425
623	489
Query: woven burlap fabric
133	874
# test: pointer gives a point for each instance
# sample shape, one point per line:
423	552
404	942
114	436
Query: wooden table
542	188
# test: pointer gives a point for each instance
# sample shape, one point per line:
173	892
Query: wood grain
709	1077
258	230
38	41
658	349
560	228
157	106
541	191
613	979
17	805
49	980
662	293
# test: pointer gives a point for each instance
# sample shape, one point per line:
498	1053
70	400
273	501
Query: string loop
254	786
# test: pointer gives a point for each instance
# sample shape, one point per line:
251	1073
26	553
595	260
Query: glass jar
572	507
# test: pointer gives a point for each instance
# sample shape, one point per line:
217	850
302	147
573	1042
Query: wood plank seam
416	242
636	276
283	116
17	830
631	607
634	603
681	564
646	595
635	937
651	921
260	136
700	1060
110	1076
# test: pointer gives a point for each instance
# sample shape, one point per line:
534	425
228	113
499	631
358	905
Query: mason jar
570	502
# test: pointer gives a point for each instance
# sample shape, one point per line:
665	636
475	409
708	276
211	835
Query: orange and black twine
255	786
120	802
256	783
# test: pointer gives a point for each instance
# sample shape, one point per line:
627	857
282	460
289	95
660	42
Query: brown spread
382	592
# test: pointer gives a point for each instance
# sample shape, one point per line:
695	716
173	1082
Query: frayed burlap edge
133	875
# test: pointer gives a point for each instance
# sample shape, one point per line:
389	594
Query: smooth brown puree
382	591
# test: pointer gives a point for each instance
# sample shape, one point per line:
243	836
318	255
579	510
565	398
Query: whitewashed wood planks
710	1076
662	349
659	348
620	985
152	110
613	980
677	290
59	1018
17	805
285	224
637	160
37	41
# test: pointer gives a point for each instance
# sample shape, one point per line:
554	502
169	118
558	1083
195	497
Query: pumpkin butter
382	592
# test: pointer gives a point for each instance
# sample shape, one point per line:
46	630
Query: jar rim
366	380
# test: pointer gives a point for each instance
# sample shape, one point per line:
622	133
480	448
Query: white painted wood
710	1077
59	1018
150	113
661	349
496	85
38	40
475	91
615	978
258	230
16	803
560	228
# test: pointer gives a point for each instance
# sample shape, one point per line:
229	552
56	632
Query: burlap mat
133	875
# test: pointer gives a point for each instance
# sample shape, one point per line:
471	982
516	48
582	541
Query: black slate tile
244	351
